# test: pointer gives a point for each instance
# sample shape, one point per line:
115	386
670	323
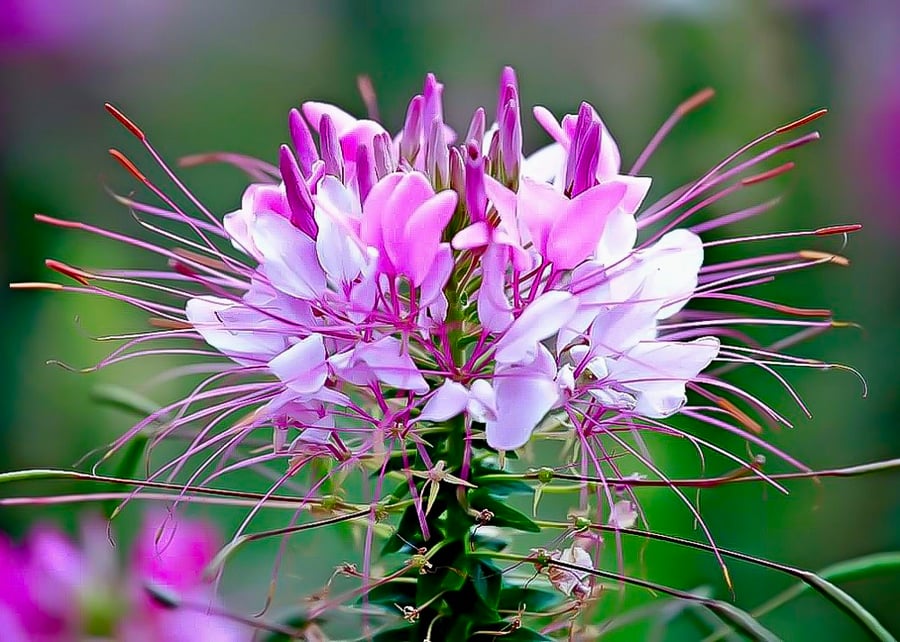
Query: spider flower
55	590
375	286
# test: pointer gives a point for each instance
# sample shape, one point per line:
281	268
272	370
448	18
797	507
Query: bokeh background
217	75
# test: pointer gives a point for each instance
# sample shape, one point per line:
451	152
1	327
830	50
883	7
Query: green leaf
503	487
504	515
534	600
524	634
487	580
399	634
846	571
124	399
391	593
487	542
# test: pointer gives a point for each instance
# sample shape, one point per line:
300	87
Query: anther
772	173
801	122
126	122
127	164
67	270
697	100
838	229
814	255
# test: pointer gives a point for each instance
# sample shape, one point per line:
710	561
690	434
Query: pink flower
53	590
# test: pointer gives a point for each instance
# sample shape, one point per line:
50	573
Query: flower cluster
419	304
52	590
359	256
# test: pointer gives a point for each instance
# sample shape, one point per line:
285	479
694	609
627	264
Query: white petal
234	329
623	514
482	406
523	399
447	401
542	318
302	366
658	371
289	257
670	268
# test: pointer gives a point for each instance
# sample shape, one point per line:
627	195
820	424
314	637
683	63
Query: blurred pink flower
53	590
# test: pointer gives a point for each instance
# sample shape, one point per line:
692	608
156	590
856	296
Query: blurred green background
212	75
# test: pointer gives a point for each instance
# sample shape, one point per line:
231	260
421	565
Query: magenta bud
507	80
476	198
365	170
586	156
298	197
384	159
511	138
476	128
303	141
412	130
331	147
437	155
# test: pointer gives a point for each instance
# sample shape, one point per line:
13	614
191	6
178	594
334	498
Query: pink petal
539	206
547	120
578	229
422	235
636	188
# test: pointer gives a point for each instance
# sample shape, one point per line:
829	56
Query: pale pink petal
482	405
313	111
391	364
361	132
547	120
474	236
447	401
541	319
431	290
617	240
658	370
302	367
610	162
233	329
523	399
494	308
289	257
